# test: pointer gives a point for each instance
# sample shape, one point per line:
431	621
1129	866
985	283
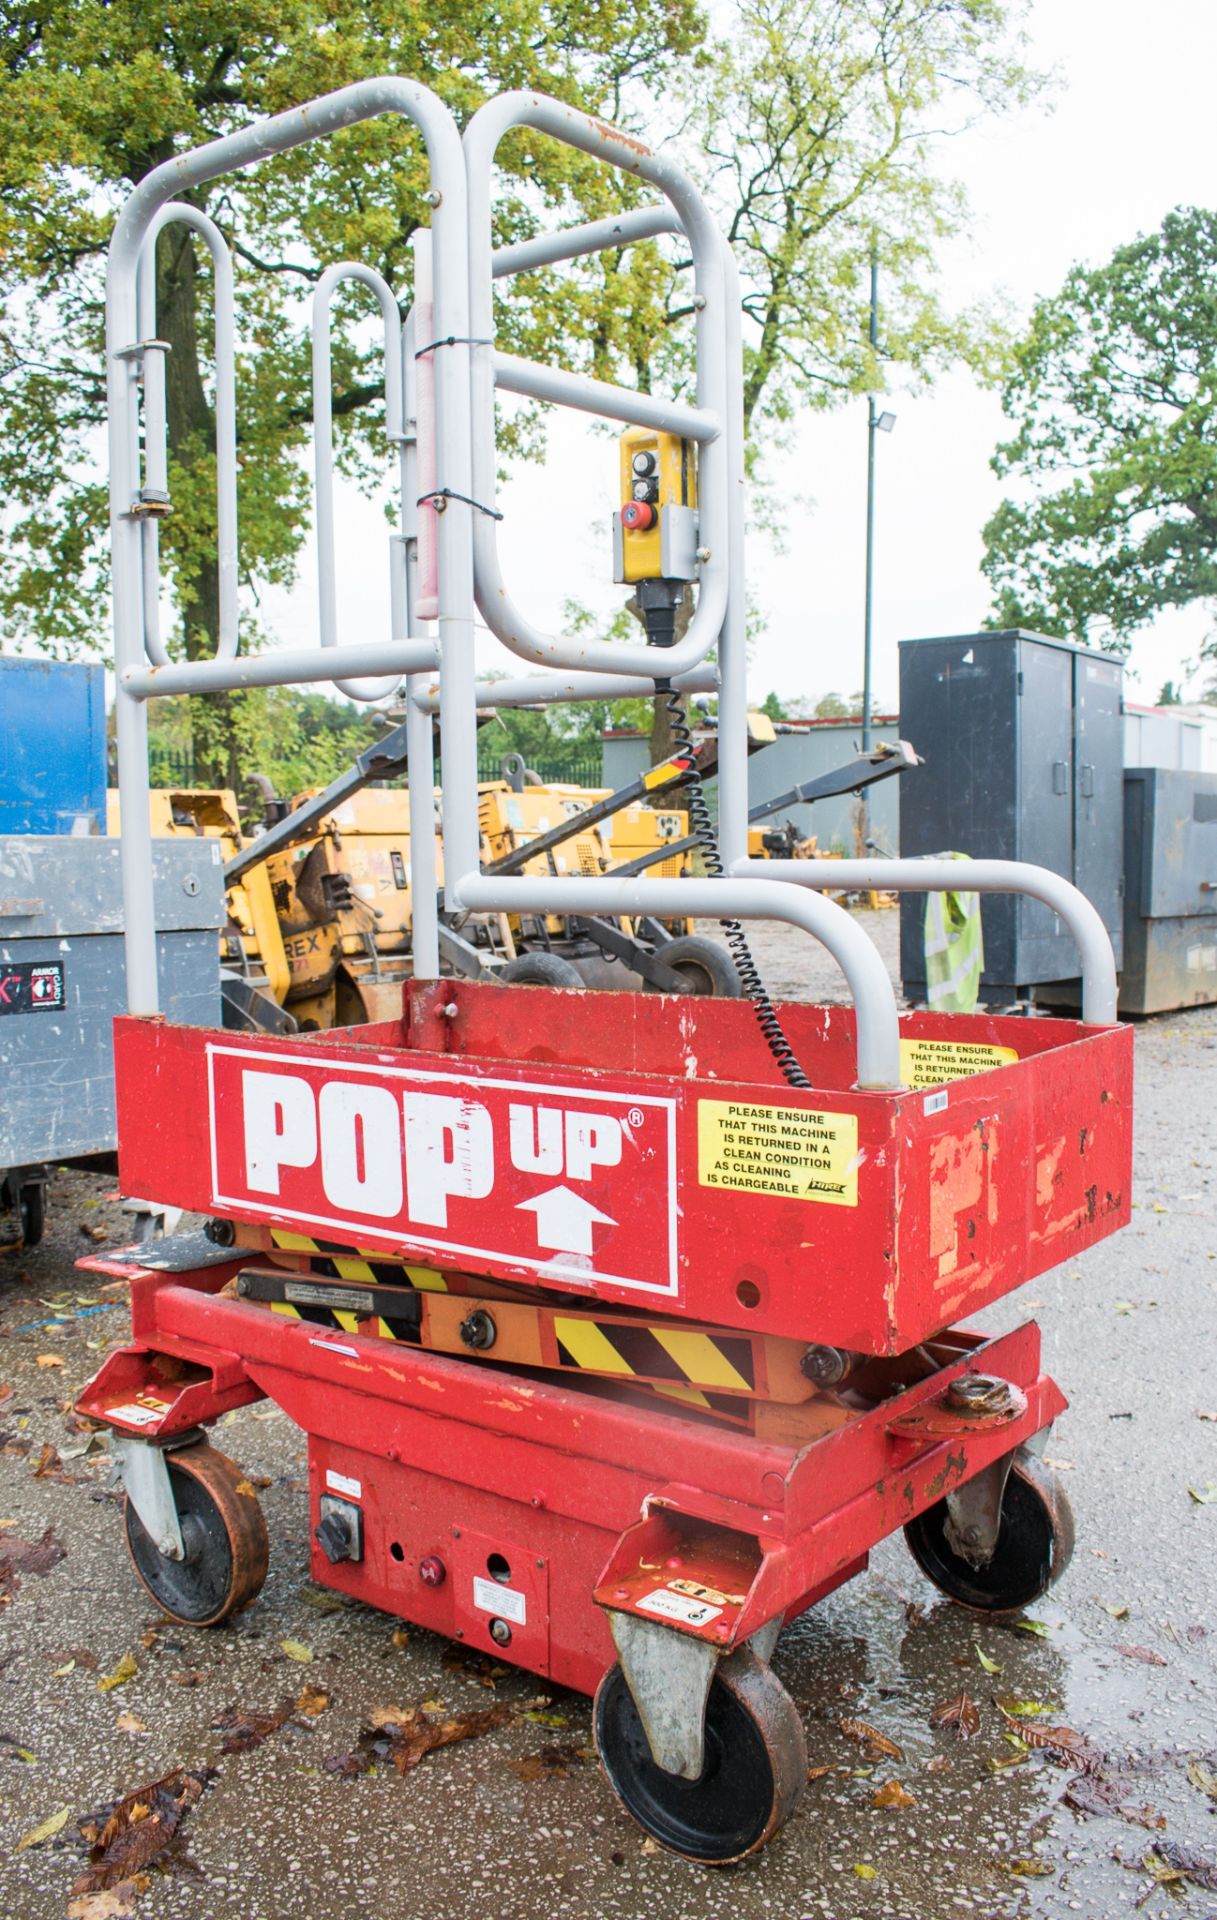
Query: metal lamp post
875	423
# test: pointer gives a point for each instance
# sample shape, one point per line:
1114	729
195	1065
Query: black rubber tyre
223	1532
32	1202
755	1766
541	970
705	966
1033	1548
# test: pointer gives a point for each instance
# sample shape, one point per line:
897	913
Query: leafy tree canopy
1113	396
810	123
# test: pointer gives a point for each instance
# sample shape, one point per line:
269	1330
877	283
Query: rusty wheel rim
224	1533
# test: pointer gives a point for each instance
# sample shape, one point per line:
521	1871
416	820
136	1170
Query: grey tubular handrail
323	444
134	682
482	137
556	689
156	476
1099	983
750	899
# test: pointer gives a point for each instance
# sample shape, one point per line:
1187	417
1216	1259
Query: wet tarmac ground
519	1822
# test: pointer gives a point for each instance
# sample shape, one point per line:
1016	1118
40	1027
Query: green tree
96	93
1113	461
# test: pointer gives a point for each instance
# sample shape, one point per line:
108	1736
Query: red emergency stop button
638	515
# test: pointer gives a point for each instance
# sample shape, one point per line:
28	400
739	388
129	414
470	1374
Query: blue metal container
52	747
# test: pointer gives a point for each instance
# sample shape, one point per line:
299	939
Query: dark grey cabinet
1170	874
1022	739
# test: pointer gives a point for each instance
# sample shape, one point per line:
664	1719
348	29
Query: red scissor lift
706	1421
618	1342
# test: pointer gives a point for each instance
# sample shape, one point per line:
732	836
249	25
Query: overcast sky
1127	138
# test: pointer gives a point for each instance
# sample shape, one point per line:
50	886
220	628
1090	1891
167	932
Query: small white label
137	1416
508	1602
678	1606
343	1483
935	1102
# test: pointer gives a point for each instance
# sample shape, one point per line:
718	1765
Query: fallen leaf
551	1760
345	1766
244	1487
892	1795
1200	1776
128	1723
112	1903
1145	1655
189	1677
49	1360
29	1556
864	1872
939	1764
1032	1868
407	1735
322	1599
1117	1611
1179	1862
48	1828
296	1650
6	1393
1199	1416
1023	1709
817	1773
94	1233
879	1744
126	1669
962	1713
312	1702
1061	1740
1126	1306
69	1666
50	1465
1032	1626
990	1666
245	1731
1204	1497
137	1829
1102	1793
1061	1466
650	1846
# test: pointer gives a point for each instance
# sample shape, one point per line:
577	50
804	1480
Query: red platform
645	1151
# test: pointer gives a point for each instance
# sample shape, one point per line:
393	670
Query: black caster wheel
755	1765
540	970
703	966
223	1532
1033	1549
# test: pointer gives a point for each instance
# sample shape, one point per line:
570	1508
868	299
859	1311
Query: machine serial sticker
32	986
782	1150
507	1602
678	1606
927	1063
343	1483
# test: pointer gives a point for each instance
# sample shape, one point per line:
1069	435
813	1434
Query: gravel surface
1123	1652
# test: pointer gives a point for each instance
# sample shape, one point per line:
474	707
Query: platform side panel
1017	1171
160	1089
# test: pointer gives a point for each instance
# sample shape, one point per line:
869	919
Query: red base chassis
582	1496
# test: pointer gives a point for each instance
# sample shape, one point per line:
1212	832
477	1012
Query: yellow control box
658	470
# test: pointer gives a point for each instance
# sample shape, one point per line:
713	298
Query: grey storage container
63	978
1022	739
1170	906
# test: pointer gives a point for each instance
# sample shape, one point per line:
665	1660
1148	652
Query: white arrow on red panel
565	1219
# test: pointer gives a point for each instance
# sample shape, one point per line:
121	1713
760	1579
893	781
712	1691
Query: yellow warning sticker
783	1150
927	1063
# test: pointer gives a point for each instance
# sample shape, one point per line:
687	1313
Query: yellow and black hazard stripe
662	1354
360	1263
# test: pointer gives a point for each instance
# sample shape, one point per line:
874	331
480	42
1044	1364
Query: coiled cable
737	940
